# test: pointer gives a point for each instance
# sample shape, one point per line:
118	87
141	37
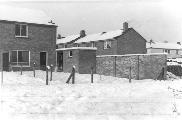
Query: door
43	60
6	61
60	60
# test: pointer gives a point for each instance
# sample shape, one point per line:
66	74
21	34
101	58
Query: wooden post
114	66
51	72
34	69
69	77
138	68
92	75
163	73
130	74
2	76
2	70
21	69
73	77
46	75
9	67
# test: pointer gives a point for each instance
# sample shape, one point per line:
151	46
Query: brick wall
68	62
143	66
131	42
105	65
81	59
40	38
87	59
123	64
110	51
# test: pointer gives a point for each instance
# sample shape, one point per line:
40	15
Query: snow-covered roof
67	39
100	36
110	34
78	48
10	13
88	38
163	45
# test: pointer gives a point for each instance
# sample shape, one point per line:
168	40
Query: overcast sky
160	20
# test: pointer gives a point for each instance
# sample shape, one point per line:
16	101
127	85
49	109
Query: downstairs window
20	57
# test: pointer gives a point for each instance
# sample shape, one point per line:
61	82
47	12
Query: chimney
82	33
125	26
59	36
179	43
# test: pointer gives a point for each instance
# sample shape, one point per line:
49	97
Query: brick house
67	42
26	38
117	42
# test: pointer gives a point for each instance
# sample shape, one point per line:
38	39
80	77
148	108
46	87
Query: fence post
34	69
92	81
2	69
51	72
46	75
21	68
114	66
9	67
2	76
130	74
138	68
73	77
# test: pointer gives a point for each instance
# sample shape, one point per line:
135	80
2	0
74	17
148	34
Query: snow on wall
143	66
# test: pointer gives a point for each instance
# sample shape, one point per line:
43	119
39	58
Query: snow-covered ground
24	97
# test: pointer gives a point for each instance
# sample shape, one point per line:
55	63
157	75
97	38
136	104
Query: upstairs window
77	45
21	30
107	44
65	46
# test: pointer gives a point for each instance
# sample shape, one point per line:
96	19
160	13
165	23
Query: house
173	50
116	42
26	37
67	42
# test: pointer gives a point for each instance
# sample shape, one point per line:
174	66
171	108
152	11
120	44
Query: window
92	44
77	45
65	45
21	30
70	53
107	44
20	57
177	52
167	51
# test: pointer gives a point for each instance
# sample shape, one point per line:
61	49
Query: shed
83	58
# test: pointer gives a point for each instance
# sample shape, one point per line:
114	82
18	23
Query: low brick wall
143	66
